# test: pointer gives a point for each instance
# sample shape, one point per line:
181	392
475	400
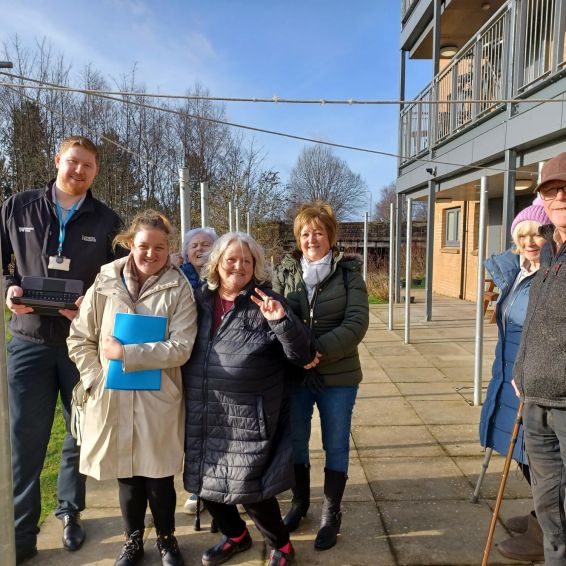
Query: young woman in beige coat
137	436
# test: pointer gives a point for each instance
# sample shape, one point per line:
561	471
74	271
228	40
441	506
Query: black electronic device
46	295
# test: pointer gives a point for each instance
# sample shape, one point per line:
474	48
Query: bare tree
388	195
321	175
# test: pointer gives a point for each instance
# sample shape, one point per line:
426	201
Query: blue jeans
545	441
335	406
37	375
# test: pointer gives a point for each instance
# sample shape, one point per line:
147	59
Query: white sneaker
190	506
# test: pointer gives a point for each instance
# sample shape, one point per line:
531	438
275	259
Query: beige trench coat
133	433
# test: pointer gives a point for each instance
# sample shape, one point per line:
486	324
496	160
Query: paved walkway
415	459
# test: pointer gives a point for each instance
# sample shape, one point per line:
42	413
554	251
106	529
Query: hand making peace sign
270	308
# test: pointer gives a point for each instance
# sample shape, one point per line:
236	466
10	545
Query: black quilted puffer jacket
238	438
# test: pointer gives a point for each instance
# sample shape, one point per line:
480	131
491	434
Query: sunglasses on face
551	193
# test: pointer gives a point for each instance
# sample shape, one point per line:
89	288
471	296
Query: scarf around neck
131	278
315	271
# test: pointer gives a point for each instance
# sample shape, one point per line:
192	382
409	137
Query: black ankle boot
132	551
334	484
301	497
169	549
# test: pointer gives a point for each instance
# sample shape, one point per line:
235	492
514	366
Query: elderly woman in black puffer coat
238	445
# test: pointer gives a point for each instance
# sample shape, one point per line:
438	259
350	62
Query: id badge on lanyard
60	262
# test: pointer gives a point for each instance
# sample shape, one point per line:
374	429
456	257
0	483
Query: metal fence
469	87
406	6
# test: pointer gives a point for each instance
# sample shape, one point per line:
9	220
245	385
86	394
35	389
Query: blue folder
136	329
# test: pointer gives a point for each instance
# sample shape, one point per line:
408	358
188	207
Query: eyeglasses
551	193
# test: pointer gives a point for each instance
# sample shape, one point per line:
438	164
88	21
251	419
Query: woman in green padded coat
325	288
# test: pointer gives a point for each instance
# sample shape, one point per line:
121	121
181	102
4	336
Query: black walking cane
502	483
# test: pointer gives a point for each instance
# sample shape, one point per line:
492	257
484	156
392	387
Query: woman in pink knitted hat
513	273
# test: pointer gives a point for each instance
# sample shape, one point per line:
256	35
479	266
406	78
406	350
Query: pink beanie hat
534	212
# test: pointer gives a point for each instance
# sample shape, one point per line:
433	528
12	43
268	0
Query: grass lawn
51	467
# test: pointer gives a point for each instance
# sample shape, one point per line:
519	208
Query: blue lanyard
63	223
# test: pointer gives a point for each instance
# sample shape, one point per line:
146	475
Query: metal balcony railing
406	6
476	79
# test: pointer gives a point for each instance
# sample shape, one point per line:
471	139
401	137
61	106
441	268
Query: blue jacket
500	407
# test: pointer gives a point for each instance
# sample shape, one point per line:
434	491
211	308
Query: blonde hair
524	228
319	213
148	219
83	142
262	272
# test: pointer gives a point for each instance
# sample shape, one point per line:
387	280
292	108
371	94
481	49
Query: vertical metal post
7	531
398	238
365	246
248	223
429	250
408	271
509	179
436	38
185	197
204	204
478	361
237	224
391	264
230	224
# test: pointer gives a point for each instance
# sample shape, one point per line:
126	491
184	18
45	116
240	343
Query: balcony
484	72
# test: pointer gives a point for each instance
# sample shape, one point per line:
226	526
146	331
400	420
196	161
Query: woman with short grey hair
196	245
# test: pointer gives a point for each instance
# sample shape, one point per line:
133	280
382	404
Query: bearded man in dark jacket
60	231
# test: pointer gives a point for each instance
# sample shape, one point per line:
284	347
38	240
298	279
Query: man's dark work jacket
29	230
238	438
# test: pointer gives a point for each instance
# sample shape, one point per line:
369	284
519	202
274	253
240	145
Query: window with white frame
452	227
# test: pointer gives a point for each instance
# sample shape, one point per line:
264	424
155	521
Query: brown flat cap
553	170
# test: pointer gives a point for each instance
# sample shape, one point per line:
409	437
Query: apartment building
494	107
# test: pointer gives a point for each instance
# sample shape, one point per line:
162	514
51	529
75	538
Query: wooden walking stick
502	483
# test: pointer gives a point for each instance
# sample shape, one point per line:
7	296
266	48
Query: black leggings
136	492
266	516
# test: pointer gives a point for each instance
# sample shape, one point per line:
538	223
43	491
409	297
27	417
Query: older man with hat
540	369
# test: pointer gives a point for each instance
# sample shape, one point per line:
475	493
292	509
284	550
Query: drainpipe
509	179
391	263
408	271
429	250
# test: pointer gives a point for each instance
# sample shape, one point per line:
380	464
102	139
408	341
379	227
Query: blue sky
247	48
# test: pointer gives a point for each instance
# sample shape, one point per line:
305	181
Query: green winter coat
338	315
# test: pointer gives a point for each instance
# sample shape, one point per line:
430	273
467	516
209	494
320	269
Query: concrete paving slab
458	439
449	533
395	441
362	540
413	375
404	361
440	349
415	479
446	412
515	488
376	412
369	390
429	391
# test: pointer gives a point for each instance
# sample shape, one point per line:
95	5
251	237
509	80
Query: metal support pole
391	263
398	238
185	197
429	250
237	224
480	292
7	531
408	271
230	224
509	179
248	223
365	246
204	204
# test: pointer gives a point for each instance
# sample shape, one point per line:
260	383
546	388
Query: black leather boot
132	551
301	497
169	549
334	484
